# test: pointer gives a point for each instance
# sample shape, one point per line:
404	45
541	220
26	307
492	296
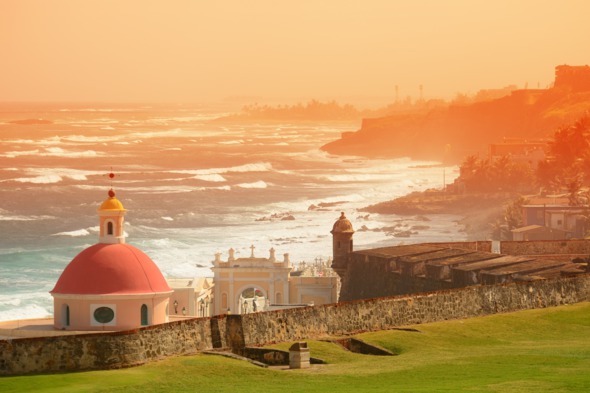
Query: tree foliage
499	175
313	110
567	166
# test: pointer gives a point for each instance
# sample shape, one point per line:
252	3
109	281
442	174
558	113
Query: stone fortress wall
426	267
234	332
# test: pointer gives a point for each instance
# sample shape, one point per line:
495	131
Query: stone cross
252	248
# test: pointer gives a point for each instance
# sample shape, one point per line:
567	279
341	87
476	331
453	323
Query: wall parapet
130	348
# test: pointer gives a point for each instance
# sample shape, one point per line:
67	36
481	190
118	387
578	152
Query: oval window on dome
104	314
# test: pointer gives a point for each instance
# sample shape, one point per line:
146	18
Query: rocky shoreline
479	211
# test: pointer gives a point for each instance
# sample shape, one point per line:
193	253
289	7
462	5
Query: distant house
538	232
519	150
554	213
571	220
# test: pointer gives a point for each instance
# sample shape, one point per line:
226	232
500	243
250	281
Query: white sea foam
77	233
15	154
59	152
27	311
48	179
356	177
93	139
98	110
26	306
53	152
258	184
214	177
254	167
236	142
154	189
167	218
54	175
4	217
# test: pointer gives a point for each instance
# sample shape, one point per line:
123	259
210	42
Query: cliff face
450	133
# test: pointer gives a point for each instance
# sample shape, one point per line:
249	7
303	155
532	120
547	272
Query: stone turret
341	243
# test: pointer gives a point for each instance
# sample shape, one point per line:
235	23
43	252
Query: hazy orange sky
207	50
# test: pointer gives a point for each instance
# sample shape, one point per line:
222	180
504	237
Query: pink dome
111	269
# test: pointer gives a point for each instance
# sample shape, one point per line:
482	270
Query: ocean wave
108	110
254	167
53	152
77	233
54	140
26	306
39	179
214	177
57	140
92	139
258	184
14	154
356	177
156	189
54	175
29	311
24	218
235	142
59	152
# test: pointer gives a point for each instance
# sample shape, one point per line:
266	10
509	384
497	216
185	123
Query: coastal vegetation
312	110
527	351
315	110
568	160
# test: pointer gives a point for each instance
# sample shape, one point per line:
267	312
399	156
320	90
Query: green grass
530	351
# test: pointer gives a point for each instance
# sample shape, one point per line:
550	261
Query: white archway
251	298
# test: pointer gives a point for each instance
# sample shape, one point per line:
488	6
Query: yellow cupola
111	214
111	203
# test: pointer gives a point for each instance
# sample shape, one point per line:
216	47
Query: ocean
193	186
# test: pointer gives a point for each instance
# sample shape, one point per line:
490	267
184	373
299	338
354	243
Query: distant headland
452	131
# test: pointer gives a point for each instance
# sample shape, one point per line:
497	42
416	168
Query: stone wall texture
234	332
547	247
111	349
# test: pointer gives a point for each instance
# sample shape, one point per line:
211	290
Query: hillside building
561	220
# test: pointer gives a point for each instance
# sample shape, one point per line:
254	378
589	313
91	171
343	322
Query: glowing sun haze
191	51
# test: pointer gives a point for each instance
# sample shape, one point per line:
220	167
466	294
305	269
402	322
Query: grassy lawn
530	351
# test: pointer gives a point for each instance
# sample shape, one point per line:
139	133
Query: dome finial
342	224
111	193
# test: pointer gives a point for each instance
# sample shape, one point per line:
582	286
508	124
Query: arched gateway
244	285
